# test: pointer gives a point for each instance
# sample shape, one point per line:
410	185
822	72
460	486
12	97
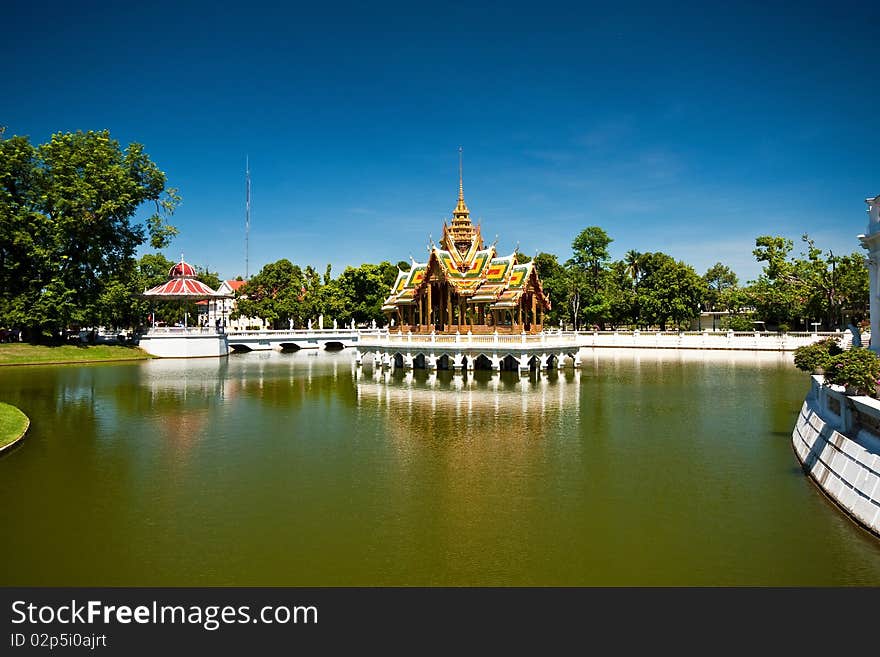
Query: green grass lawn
28	354
12	423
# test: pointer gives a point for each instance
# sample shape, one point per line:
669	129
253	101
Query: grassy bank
28	354
12	424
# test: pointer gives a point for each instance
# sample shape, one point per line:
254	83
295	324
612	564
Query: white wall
841	456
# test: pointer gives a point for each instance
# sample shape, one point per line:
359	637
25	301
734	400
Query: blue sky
675	127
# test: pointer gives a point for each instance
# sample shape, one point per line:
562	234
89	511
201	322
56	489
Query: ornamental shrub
857	369
814	357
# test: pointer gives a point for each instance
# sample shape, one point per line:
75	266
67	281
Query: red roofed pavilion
182	285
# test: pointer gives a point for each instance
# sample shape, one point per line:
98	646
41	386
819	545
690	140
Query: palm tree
633	261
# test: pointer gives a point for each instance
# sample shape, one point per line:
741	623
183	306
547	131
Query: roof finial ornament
460	176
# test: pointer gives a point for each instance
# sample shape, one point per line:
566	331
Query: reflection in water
418	403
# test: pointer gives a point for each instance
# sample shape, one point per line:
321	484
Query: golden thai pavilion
465	286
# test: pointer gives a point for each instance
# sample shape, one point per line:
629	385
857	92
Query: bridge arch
482	362
509	363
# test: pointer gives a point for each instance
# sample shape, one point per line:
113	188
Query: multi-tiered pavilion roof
465	285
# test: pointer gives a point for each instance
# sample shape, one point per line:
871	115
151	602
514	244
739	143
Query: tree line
652	289
68	242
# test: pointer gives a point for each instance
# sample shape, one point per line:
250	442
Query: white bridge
463	351
297	339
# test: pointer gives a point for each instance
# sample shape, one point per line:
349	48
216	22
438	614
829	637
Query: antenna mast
247	217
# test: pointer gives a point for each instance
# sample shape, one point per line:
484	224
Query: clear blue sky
675	127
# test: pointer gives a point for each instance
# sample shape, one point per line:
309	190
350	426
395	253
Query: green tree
276	294
553	281
632	261
719	278
67	211
811	287
620	294
775	295
363	290
669	291
587	274
208	277
850	287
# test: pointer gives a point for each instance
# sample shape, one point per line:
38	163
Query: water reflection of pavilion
501	404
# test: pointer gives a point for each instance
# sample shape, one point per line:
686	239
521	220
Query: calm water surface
644	468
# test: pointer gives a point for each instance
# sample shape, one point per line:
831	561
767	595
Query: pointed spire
460	177
461	211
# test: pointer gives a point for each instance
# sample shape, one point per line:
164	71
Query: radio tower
247	217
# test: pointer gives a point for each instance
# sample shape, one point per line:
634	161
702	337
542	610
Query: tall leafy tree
775	294
67	209
719	279
587	272
669	291
277	294
620	293
814	286
850	287
632	261
364	289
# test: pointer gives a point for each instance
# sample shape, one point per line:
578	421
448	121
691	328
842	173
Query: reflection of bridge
296	339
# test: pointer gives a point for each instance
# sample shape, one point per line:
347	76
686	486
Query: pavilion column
448	325
429	321
534	313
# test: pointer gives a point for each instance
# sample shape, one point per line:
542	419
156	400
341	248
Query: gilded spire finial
460	177
461	211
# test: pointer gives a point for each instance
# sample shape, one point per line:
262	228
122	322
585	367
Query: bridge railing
302	333
182	330
760	340
400	338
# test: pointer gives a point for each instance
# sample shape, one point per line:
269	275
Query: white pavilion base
457	352
176	342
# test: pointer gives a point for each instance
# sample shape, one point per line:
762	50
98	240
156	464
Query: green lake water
643	468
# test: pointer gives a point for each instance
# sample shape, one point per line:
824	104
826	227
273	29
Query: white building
214	310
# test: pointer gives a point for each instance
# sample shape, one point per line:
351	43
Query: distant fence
750	340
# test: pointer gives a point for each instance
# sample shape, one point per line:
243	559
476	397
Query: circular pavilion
183	341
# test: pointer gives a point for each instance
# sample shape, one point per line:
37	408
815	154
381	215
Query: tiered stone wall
837	440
